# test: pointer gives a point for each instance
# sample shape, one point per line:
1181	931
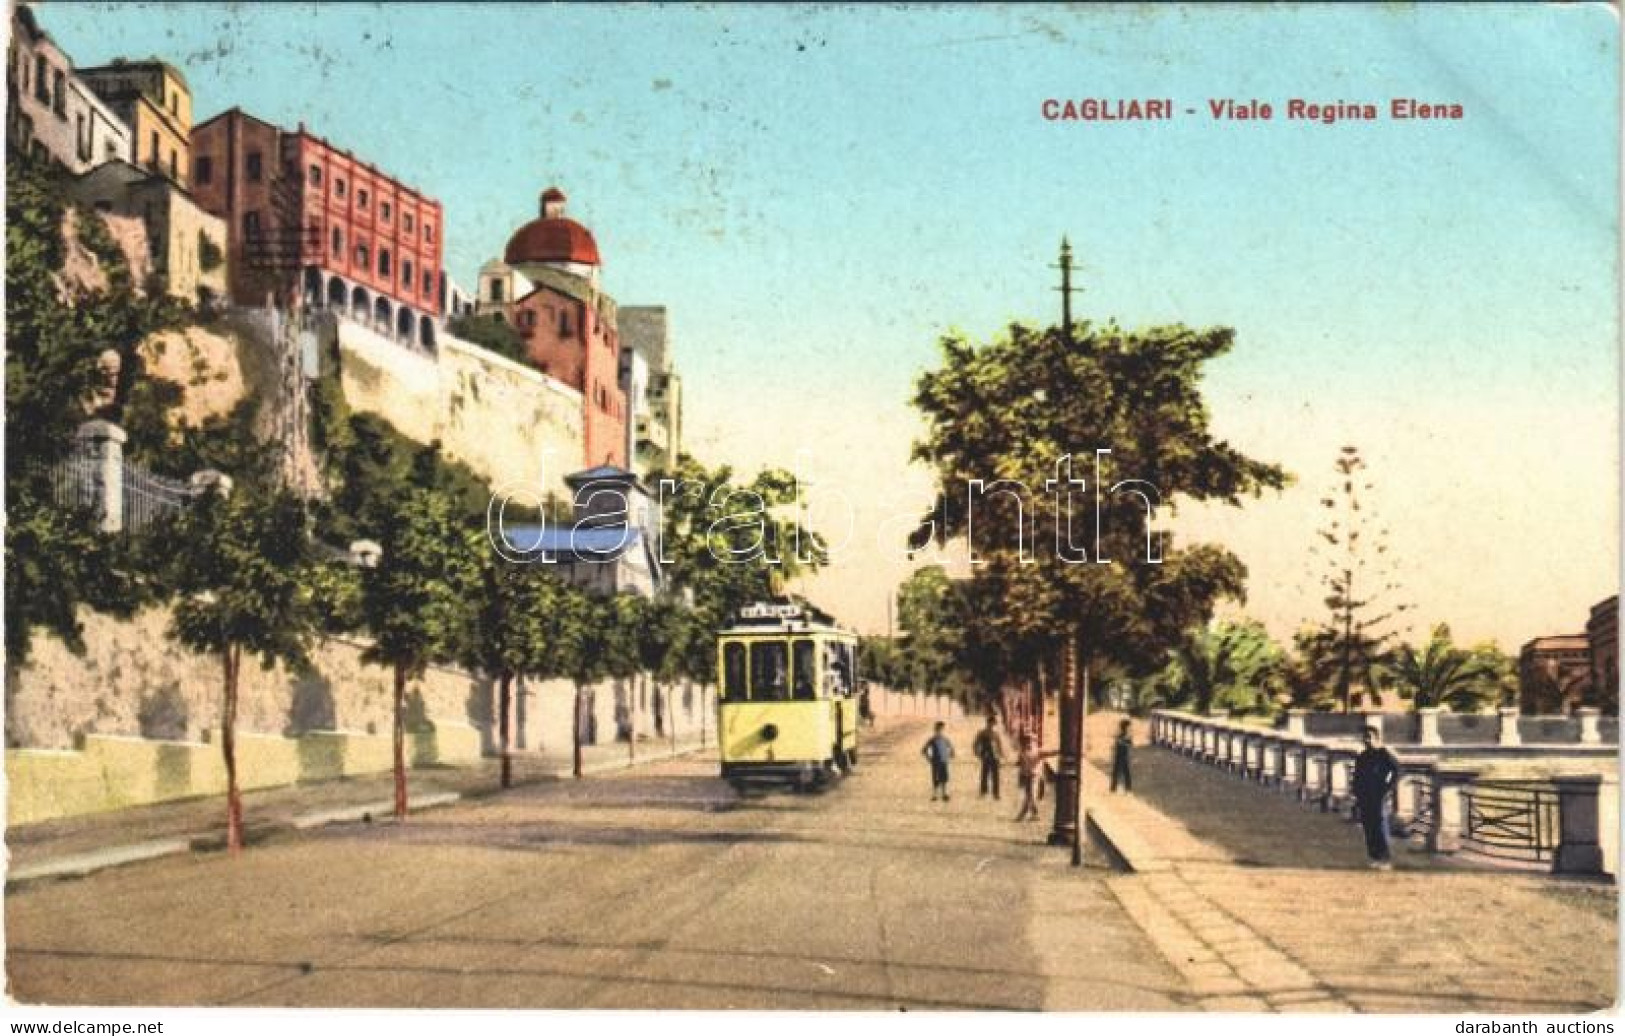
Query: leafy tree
1235	665
243	586
622	651
56	559
512	629
1440	673
725	544
1010	413
413	601
1352	644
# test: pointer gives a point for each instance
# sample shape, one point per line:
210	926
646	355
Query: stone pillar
1297	723
1427	726
1508	734
1291	765
1449	809
1253	756
1339	766
209	480
103	442
1589	732
1405	796
1314	773
1579	846
1269	759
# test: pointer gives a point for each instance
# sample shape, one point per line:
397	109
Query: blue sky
818	193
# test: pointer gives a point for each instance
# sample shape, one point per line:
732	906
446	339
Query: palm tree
1235	665
1443	674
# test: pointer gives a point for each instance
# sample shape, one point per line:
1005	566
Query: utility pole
1066	289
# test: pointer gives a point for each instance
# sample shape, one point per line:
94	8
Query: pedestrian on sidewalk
938	751
1028	761
1376	772
1120	752
989	749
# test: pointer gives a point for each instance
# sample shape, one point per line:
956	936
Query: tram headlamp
770	731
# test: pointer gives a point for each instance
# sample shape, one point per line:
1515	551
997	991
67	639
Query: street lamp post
1069	772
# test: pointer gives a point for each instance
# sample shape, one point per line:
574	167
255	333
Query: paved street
659	887
651	888
1263	904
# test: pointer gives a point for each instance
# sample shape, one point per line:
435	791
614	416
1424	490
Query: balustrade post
1269	759
1314	772
1339	764
1260	762
1449	809
1405	798
1427	726
1590	733
1297	723
1291	765
1508	733
1579	844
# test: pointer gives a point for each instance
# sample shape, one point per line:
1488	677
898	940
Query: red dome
552	241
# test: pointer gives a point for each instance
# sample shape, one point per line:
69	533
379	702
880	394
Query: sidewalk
74	846
1263	904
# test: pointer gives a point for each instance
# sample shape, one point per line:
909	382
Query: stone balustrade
1435	797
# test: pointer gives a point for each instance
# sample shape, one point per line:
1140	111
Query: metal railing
145	498
1512	820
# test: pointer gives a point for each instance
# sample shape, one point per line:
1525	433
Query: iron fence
145	498
1512	820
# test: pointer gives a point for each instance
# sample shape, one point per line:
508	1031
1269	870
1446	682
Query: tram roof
780	617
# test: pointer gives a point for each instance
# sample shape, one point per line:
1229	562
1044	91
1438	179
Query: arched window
428	282
383	262
363	258
338	242
406	273
315	175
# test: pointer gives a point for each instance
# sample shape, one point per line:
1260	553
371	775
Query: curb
82	865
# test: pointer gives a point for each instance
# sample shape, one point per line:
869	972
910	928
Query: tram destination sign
771	611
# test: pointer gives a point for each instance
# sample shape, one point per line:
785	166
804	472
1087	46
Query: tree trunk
632	719
232	657
400	742
504	708
575	738
669	710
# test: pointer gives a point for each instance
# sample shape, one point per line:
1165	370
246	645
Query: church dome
552	238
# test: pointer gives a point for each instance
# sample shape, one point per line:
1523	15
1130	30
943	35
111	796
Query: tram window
806	667
733	672
769	673
840	670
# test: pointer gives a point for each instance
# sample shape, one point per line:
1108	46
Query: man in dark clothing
938	751
1120	751
989	749
1376	772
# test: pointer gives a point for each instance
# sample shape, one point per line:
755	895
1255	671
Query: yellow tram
787	696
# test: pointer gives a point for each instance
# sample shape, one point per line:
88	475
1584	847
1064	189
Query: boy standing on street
1120	752
989	749
938	751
